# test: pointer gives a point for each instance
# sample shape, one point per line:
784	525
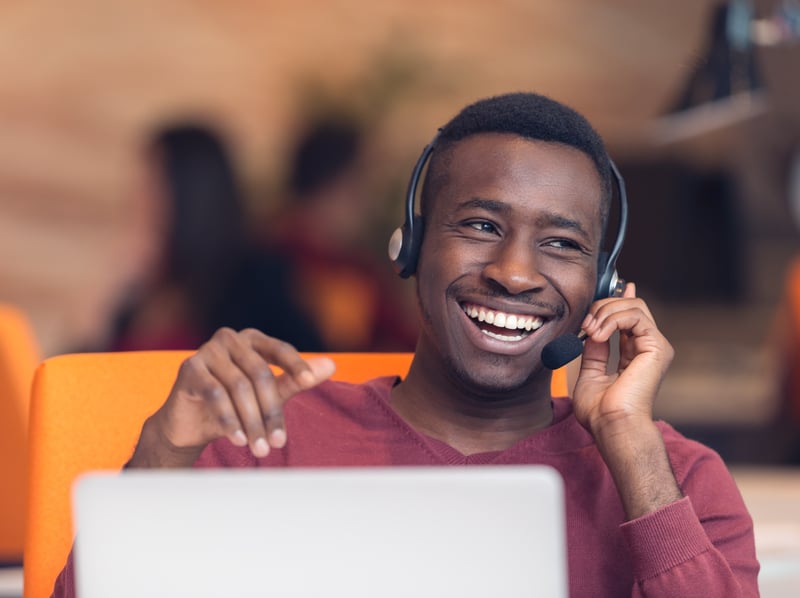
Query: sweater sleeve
65	582
701	545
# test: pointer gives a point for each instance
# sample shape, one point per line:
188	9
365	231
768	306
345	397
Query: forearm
635	454
154	450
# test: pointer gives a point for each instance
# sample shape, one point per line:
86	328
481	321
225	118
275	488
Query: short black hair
525	114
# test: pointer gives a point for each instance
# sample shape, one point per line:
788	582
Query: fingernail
277	438
238	438
260	448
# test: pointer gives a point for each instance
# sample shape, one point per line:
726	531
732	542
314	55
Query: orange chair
19	355
786	339
86	413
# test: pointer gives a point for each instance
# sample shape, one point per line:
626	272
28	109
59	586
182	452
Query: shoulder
682	447
338	396
699	469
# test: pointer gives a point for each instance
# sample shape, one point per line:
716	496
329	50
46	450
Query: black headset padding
405	242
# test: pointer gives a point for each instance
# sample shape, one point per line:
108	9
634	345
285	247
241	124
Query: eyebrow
561	221
490	205
547	219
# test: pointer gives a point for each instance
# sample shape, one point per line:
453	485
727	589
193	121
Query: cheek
435	270
439	262
574	283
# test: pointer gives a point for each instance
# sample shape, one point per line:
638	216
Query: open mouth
501	325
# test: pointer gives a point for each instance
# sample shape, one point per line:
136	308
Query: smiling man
514	207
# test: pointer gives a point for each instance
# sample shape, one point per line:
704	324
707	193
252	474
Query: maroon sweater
701	545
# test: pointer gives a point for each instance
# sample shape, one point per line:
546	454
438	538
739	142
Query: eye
563	244
482	226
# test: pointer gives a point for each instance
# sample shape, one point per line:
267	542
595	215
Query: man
514	207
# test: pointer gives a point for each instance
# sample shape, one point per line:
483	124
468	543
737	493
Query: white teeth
503	320
502	337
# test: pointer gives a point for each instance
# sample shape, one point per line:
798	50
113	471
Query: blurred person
207	272
354	302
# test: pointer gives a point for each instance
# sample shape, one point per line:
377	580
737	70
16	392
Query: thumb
318	369
321	369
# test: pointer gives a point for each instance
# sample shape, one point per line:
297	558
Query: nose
514	266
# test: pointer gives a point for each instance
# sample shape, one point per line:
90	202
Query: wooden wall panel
84	81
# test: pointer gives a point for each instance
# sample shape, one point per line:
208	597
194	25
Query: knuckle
263	375
274	415
284	346
241	385
224	334
190	364
214	392
227	421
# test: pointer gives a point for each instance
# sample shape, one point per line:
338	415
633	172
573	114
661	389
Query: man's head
514	207
527	115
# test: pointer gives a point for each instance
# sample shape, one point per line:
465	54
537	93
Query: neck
433	404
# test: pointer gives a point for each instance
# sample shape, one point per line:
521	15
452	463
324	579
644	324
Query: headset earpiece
404	247
609	284
406	239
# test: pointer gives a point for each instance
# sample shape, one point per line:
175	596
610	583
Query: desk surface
10	582
773	497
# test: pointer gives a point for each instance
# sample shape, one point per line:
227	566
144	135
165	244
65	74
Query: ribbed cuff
664	538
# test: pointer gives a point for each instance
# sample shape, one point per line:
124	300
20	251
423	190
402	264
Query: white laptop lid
358	532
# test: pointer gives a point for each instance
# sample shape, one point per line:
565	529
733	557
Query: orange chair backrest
790	338
19	356
86	413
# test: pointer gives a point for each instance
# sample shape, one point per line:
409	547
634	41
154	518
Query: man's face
509	257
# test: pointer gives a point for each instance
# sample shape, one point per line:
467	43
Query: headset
405	242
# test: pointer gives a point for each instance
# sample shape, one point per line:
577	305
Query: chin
494	379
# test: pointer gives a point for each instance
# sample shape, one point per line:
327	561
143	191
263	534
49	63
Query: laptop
424	532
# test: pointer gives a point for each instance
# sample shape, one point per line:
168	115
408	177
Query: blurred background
697	101
312	114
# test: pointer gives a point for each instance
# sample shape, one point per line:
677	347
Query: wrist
634	451
154	449
622	427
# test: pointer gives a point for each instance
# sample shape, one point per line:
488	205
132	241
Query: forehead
528	174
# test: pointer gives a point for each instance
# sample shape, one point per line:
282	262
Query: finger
272	389
282	388
606	318
262	380
594	359
219	411
318	369
298	373
631	321
630	290
224	364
